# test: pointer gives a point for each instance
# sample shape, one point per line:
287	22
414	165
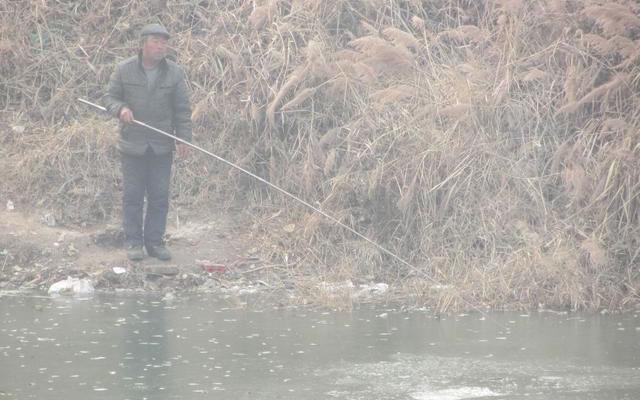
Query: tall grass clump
492	144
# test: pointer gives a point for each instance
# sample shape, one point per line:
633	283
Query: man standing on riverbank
153	90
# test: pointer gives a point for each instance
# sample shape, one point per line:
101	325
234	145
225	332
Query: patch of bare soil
209	254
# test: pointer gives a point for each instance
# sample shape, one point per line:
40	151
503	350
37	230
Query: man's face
155	47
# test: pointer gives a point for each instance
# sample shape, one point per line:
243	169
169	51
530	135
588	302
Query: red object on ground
212	267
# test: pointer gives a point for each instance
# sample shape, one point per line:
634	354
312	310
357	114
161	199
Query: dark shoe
159	251
135	253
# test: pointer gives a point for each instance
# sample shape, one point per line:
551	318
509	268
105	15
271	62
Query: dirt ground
219	254
35	252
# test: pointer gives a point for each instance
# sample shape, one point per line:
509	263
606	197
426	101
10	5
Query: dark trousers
148	174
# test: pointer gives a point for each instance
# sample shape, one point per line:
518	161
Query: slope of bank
492	144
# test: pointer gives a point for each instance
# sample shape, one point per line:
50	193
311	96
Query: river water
115	347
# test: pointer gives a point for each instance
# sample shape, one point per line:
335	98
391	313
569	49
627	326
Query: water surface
114	347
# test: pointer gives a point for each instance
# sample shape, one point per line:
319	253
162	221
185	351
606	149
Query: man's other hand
126	115
182	150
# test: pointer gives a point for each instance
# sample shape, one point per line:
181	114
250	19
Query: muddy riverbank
219	254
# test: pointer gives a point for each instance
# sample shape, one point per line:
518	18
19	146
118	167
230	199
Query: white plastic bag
72	286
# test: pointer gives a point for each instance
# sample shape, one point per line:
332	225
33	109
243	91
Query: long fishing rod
296	198
279	189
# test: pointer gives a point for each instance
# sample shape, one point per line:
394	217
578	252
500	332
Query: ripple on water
454	394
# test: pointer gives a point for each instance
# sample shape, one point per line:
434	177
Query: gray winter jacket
165	105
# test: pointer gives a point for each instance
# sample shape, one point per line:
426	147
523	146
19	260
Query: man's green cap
154	29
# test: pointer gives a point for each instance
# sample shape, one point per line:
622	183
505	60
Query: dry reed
493	144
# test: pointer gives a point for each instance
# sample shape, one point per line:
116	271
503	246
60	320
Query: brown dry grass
493	144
